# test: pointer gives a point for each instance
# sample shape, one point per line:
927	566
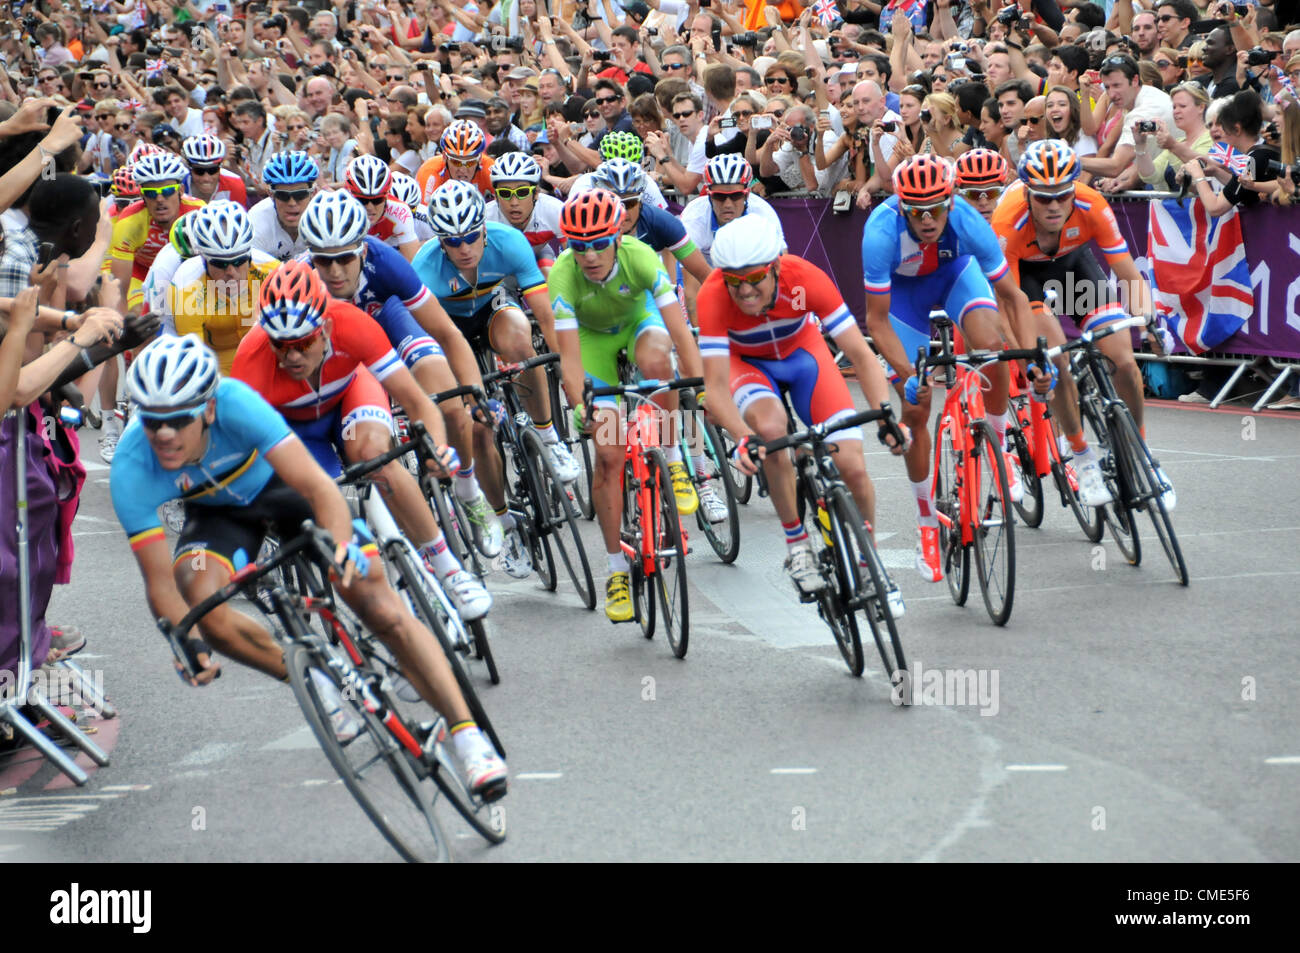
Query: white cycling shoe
485	772
341	721
1092	486
472	601
714	506
485	525
566	468
515	559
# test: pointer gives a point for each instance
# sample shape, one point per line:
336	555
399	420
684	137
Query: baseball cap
471	111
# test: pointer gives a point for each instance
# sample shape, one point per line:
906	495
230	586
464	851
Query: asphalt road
1122	718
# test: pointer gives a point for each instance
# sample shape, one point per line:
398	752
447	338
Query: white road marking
48	813
1037	767
101	532
126	787
300	739
312	782
208	754
92	465
1288	759
539	776
793	771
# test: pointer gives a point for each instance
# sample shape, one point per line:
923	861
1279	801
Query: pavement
1117	717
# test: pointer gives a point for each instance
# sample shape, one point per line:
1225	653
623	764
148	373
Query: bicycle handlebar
816	434
1088	337
1038	354
419	441
644	387
312	538
514	370
465	390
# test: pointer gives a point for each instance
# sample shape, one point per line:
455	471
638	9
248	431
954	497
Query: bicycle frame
642	433
962	406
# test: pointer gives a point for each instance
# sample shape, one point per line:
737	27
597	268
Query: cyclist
466	269
328	368
611	293
1045	223
516	178
923	248
207	180
981	177
371	181
460	159
622	145
291	176
125	191
359	268
407	191
156	290
214	294
244	472
759	340
727	182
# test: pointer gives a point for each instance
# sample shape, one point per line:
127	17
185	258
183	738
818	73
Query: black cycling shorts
224	532
475	327
1080	283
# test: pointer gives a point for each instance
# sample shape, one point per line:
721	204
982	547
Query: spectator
1136	103
1220	58
1171	73
1063	121
186	120
336	134
1174	19
250	119
913	136
1189	102
939	121
787	153
1240	119
992	128
1145	35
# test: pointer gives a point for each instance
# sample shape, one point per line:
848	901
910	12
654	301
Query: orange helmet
981	167
1049	165
292	302
124	186
462	140
923	180
592	214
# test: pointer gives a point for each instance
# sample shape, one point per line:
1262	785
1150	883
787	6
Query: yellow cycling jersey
221	312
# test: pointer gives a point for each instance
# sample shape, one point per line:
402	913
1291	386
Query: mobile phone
45	253
1094	76
889	126
727	122
761	122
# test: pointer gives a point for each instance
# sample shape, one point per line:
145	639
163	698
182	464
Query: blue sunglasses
599	244
469	238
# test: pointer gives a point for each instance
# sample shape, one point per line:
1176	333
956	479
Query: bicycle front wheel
670	556
994	530
874	583
1117	514
560	517
1147	489
954	557
372	765
1030	506
724	537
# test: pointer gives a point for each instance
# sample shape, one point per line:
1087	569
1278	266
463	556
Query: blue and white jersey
702	225
506	254
889	249
662	231
385	274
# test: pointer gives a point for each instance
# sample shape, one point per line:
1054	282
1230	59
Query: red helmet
923	180
124	186
981	167
592	214
293	301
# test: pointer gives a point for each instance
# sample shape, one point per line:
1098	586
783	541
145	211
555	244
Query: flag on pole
1200	279
1236	162
154	68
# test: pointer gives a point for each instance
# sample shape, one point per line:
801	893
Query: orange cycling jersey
433	173
1091	218
137	238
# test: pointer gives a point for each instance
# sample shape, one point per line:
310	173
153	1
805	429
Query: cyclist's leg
1035	279
910	304
600	361
1119	348
757	397
652	354
970	303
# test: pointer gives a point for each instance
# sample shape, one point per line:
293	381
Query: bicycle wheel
430	609
834	601
373	766
560	517
1089	518
724	537
1117	515
670	556
579	445
743	482
483	649
954	557
843	554
875	586
1030	507
523	487
643	599
1148	489
451	516
995	540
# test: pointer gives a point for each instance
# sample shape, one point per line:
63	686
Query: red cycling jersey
355	341
804	293
396	226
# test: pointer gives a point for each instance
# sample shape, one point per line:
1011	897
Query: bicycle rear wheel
643	598
373	765
1117	514
994	530
743	482
835	601
560	516
953	555
724	537
579	445
1147	489
522	488
670	556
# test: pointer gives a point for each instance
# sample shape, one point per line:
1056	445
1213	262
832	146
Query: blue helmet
286	168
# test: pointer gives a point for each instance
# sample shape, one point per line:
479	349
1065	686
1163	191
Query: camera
745	39
960	48
1281	169
955	61
761	122
727	122
601	56
154	51
926	115
1241	9
889	126
1258	56
1009	15
1147	125
449	48
502	44
652	31
799	135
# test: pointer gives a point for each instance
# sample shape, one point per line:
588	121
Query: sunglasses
592	114
296	195
920	211
176	421
673	67
504	193
463	163
685	115
159	192
343	258
631	201
606	100
1163	64
754	277
974	195
1052	198
730	196
778	113
205	169
121	126
104	116
223	264
1032	120
103	85
47	79
396	79
1166	18
301	345
1112	61
596	244
296	128
779	81
469	238
381	200
742	114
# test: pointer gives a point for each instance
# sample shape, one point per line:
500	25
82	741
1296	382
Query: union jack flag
1288	87
826	11
1200	279
131	104
914	10
1230	158
154	68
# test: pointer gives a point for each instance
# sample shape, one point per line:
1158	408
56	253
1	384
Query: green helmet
180	239
621	145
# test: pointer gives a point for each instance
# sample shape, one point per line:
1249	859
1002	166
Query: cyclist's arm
402	387
409	249
294	464
1013	311
540	303
884	337
155	562
434	318
571	364
688	353
695	265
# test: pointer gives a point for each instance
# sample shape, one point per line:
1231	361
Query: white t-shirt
1085	146
269	235
697	218
699	150
191	125
1151	103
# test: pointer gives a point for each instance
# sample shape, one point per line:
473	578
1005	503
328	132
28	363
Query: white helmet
368	177
220	230
333	220
745	242
205	149
173	373
406	190
515	167
455	208
158	167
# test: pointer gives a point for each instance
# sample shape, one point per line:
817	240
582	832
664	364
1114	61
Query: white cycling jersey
158	282
543	228
701	225
652	194
269	235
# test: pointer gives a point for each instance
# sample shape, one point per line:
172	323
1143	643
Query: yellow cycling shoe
618	598
684	489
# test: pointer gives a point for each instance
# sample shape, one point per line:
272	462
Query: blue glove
448	459
1043	398
910	390
491	412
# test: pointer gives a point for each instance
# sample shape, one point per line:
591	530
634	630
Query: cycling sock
999	424
547	432
702	464
440	556
795	534
466	484
673	454
507	518
1078	442
617	562
924	503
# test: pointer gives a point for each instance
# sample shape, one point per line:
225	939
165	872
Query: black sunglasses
205	169
606	100
221	264
176	422
685	115
343	258
297	195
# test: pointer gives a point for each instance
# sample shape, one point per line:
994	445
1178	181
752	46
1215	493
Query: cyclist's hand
746	462
1044	384
916	390
580	422
201	661
445	461
351	556
890	441
490	413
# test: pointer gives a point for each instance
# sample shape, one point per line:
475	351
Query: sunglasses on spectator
224	264
1114	61
974	195
103	116
605	100
742	114
121	126
180	421
920	211
103	85
596	244
298	128
1032	120
1166	17
47	79
1052	198
469	238
735	279
205	170
159	191
591	114
1163	64
673	67
685	115
505	193
782	80
301	345
778	113
342	258
729	196
296	195
396	79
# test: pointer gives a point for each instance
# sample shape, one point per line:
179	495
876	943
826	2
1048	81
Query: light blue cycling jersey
506	254
232	472
890	250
